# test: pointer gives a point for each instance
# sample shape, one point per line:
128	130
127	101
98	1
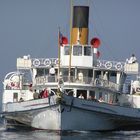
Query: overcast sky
31	27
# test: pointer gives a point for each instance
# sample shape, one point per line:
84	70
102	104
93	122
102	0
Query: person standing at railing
45	93
52	73
80	76
132	59
81	96
35	94
101	99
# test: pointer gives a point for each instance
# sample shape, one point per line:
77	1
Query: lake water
44	135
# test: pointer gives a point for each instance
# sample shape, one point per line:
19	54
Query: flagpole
71	13
59	52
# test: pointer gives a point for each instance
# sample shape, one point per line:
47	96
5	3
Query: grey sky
30	27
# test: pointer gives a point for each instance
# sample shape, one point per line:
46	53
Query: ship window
53	92
66	50
15	97
87	51
100	94
46	71
92	93
69	92
83	92
77	50
40	72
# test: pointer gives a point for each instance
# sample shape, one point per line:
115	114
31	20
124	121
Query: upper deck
23	63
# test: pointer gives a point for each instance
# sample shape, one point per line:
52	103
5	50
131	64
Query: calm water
43	135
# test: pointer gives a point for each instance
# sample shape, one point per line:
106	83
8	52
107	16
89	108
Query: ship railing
110	65
42	80
30	104
108	84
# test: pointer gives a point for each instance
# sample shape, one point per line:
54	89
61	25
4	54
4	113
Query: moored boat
76	91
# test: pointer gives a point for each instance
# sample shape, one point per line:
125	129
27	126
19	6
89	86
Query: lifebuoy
138	89
47	62
99	64
57	62
118	66
12	84
36	62
15	85
108	65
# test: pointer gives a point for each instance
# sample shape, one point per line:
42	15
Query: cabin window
15	97
46	71
92	93
112	76
69	92
66	50
40	72
100	94
83	92
77	50
97	74
106	98
52	92
87	51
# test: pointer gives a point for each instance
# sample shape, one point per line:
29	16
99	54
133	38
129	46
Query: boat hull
73	114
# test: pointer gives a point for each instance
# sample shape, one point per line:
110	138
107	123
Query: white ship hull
75	114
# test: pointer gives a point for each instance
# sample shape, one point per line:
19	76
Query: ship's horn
80	25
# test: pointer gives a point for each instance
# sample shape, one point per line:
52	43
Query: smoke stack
80	25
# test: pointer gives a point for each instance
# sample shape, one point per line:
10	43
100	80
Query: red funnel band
95	42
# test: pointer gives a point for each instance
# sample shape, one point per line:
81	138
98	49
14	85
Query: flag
62	39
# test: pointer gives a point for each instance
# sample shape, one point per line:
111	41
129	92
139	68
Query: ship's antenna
71	13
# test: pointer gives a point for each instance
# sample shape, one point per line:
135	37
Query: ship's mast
71	14
58	52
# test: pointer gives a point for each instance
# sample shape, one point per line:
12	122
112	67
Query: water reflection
45	135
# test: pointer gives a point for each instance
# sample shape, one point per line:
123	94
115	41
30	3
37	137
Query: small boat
74	92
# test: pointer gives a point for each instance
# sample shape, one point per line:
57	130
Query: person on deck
45	94
81	96
132	59
35	94
101	99
52	73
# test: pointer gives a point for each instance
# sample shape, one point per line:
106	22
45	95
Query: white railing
84	80
110	65
30	104
105	64
108	84
48	79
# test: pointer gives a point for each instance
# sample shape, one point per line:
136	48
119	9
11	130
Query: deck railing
54	79
30	104
112	65
43	80
108	84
